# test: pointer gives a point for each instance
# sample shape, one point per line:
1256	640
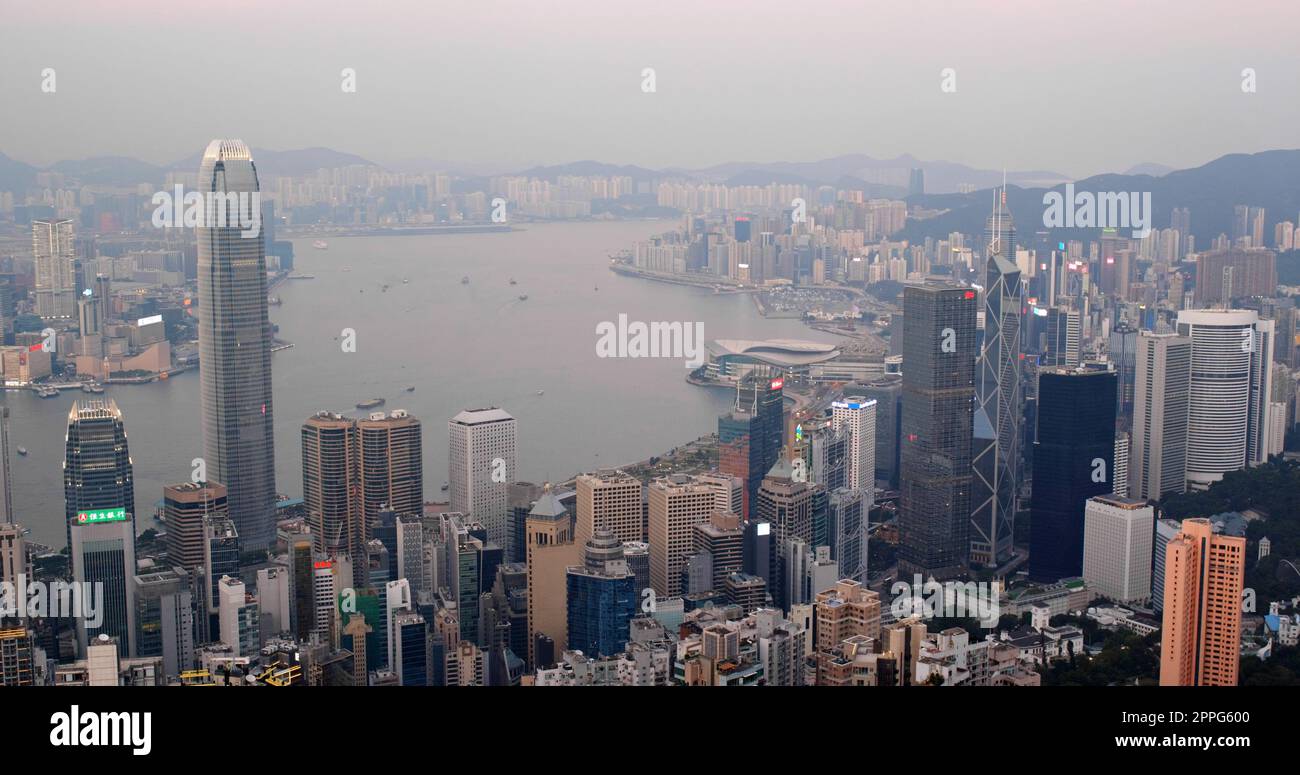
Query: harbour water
460	345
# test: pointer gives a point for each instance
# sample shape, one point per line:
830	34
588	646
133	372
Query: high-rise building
187	507
938	397
1161	396
239	616
1117	537
677	504
481	466
1121	465
610	500
103	553
794	510
887	391
392	465
602	598
17	657
97	470
1122	351
750	436
723	539
330	487
1200	642
846	610
847	512
1073	461
1064	337
551	552
54	252
999	403
859	419
1228	413
235	351
6	480
164	618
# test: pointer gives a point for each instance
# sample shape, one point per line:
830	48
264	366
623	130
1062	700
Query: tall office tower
847	512
273	597
1000	231
15	560
235	352
1064	332
1224	275
97	472
164	618
103	552
729	491
1257	226
17	657
916	182
54	251
103	295
1122	350
220	558
938	399
302	617
324	597
887	391
481	466
330	485
1181	221
827	453
1161	397
1121	465
723	539
392	465
999	401
1073	461
602	598
859	418
1165	530
239	616
187	507
840	613
609	500
750	437
411	634
6	480
1201	632
1117	536
1230	372
551	551
677	504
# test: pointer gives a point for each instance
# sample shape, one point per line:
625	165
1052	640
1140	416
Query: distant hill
16	175
592	168
119	170
1267	179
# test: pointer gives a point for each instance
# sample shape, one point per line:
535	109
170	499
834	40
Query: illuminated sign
777	384
1110	260
970	294
149	321
322	565
96	516
798	433
1040	312
764	528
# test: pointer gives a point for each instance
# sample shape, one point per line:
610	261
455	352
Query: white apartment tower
481	467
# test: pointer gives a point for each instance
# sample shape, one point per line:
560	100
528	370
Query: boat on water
370	404
464	280
513	282
47	392
347	269
22	451
411	389
405	281
320	244
445	486
540	392
523	297
91	387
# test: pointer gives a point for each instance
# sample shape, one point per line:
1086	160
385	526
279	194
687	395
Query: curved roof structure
784	353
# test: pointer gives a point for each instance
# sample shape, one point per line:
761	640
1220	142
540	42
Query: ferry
22	451
411	389
320	244
47	392
371	403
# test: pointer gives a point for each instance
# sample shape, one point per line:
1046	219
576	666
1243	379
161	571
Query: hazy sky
1076	87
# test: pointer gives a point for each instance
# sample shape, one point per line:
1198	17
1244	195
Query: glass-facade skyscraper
235	350
938	400
1074	458
97	472
602	598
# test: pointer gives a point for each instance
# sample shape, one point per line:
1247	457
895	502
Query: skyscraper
481	466
392	465
750	436
610	500
887	391
235	352
54	255
103	553
1161	394
1073	461
1117	540
330	486
97	471
550	552
998	396
859	418
677	504
1230	374
187	507
602	597
938	399
1201	633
